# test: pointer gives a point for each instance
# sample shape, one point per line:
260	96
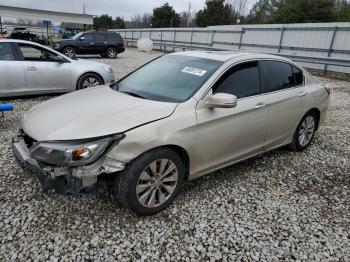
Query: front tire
69	51
305	132
89	80
150	183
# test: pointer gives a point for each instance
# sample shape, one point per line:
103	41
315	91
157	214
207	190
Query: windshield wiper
133	94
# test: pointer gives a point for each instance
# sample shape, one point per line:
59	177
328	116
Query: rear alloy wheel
111	52
69	51
89	80
304	132
150	183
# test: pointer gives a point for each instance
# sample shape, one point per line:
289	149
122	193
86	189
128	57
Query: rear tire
89	80
305	132
150	183
111	52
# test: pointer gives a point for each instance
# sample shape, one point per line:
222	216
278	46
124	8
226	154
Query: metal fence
322	46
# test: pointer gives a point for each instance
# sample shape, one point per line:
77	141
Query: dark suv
107	44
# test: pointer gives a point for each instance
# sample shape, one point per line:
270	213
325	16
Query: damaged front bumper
65	180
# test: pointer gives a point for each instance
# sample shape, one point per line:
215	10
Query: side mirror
59	59
221	100
82	38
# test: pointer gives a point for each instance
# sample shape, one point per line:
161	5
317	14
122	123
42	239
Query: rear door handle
92	43
32	68
301	94
260	105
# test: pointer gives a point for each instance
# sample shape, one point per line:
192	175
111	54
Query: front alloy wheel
157	183
69	51
150	183
89	80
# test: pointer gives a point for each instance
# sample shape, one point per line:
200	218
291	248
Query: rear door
283	85
43	73
12	74
101	42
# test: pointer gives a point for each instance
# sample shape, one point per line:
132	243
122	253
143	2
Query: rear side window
100	37
277	76
298	76
88	37
6	53
242	81
114	37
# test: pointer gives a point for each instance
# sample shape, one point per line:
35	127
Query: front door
43	72
87	44
229	134
12	75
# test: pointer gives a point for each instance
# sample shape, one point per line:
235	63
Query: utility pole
189	14
84	8
84	12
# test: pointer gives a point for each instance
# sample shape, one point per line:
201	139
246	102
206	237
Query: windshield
171	78
77	36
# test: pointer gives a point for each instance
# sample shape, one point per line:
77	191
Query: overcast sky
124	8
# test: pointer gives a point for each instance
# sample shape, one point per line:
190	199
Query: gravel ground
280	206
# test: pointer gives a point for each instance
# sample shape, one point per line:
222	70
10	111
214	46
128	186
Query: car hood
88	63
89	113
65	40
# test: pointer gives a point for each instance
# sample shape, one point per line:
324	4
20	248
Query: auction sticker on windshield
193	71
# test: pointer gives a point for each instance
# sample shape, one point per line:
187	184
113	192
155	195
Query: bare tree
239	6
147	21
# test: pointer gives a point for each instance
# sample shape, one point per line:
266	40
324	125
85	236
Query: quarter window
242	81
6	52
298	76
277	76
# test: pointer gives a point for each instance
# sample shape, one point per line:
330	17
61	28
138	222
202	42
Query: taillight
328	90
123	44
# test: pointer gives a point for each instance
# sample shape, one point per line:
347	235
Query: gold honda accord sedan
177	118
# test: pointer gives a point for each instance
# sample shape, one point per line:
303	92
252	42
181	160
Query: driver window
242	81
33	53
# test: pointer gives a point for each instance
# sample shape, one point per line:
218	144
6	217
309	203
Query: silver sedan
177	118
28	68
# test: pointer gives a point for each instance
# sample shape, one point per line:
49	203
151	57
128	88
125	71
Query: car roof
19	41
225	56
101	32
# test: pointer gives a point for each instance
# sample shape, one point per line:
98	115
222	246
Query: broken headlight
71	153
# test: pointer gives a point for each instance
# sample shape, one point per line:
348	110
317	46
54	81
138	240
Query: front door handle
32	68
92	43
301	94
260	105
